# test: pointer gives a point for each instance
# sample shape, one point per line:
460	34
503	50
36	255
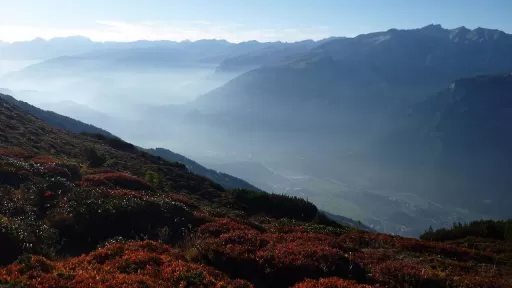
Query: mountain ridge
74	45
460	132
59	121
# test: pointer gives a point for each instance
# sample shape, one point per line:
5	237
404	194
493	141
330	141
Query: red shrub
14	153
43	160
53	170
287	258
94	182
134	264
300	252
222	226
183	199
102	170
332	282
203	216
281	259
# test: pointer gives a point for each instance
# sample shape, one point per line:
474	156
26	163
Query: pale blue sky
239	20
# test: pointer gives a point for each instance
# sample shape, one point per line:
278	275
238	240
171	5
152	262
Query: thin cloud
110	30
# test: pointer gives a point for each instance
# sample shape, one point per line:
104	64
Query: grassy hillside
55	119
72	125
79	211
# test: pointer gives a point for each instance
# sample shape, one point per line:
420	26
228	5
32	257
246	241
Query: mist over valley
368	127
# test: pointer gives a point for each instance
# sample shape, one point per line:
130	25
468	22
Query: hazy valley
306	118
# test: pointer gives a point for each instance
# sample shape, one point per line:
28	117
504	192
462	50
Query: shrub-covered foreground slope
484	235
75	126
79	211
225	180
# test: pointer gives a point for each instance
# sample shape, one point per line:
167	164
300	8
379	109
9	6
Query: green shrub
95	159
98	216
73	169
25	235
274	205
152	178
482	228
508	232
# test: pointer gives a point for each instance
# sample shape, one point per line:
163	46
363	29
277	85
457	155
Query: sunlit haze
236	21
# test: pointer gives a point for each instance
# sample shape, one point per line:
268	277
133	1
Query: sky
238	20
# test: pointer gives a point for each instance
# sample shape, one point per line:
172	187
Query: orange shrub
53	170
280	259
14	153
133	264
332	282
183	199
43	160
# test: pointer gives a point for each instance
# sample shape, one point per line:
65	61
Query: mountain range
70	52
101	73
367	74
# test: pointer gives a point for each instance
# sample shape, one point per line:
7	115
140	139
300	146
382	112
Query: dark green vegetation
274	205
498	230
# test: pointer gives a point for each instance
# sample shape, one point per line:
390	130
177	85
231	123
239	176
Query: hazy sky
238	20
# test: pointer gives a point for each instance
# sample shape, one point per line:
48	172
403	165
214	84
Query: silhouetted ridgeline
52	118
498	230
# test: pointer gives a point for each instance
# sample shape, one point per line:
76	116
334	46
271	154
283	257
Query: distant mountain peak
432	27
461	29
459	33
250	42
222	41
72	38
435	30
38	39
487	34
